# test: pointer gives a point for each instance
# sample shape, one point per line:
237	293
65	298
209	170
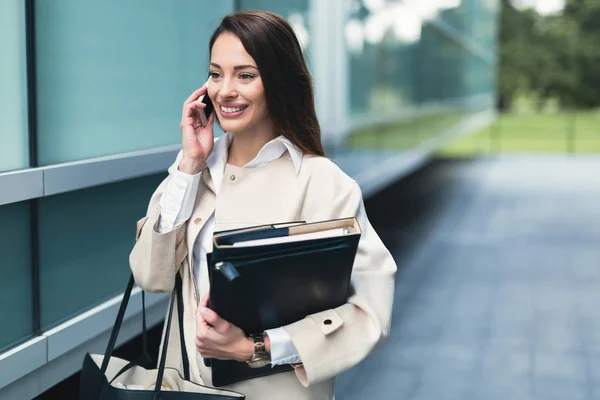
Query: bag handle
163	356
145	360
177	292
184	358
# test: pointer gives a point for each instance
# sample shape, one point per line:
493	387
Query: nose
227	89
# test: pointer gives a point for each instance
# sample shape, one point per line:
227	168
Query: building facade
91	95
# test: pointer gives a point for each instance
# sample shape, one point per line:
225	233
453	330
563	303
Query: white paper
293	238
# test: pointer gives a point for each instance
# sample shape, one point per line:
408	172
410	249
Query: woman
269	167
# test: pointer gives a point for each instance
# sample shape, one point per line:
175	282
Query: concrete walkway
498	290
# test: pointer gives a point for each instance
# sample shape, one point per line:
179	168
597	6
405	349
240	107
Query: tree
554	56
514	52
587	15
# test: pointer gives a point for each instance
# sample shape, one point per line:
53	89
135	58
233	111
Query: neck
246	145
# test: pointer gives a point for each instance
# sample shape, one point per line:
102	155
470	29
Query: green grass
510	133
547	133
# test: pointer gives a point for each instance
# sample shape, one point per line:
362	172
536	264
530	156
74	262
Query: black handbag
101	381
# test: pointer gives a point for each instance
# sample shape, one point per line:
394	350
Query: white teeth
230	109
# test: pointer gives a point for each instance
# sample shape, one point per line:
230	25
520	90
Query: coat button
232	178
197	220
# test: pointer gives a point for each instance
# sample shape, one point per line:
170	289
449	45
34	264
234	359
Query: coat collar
215	164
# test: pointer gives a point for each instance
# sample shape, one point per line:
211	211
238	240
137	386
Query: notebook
269	276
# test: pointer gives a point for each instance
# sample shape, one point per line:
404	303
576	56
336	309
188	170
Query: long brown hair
272	43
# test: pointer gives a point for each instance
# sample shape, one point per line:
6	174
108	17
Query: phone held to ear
205	113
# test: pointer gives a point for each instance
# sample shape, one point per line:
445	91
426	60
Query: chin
234	127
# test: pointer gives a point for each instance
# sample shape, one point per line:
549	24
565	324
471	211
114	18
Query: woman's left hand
217	338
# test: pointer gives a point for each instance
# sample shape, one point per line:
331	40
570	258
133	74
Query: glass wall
475	20
109	77
85	240
16	298
14	151
412	70
417	69
112	75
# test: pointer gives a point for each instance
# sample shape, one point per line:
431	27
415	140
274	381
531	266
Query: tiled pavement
498	289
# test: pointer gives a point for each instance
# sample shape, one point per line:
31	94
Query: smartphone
205	113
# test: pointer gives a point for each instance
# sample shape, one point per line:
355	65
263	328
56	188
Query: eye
214	75
246	76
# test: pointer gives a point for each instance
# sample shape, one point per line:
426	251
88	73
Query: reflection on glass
411	78
13	87
85	239
110	81
16	298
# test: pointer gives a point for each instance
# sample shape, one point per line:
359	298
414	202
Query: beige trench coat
273	193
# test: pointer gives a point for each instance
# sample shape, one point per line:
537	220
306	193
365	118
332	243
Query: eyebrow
237	67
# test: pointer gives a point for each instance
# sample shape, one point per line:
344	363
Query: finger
204	301
202	342
194	96
187	111
211	119
209	315
209	124
212	318
201	325
190	110
208	354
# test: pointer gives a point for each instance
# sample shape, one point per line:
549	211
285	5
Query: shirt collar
269	152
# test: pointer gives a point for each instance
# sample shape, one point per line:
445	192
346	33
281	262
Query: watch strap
259	344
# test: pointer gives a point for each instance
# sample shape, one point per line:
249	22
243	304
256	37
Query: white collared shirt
177	204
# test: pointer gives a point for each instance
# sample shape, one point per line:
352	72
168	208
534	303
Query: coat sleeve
156	257
335	340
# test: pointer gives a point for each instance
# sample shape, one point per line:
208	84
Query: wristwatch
260	358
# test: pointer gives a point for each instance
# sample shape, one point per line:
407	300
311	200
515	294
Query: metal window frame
102	170
16	186
467	44
23	185
390	169
37	359
429	108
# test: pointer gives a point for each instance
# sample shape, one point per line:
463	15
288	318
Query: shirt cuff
283	350
177	202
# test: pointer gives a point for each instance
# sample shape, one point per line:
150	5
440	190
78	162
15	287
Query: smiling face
236	88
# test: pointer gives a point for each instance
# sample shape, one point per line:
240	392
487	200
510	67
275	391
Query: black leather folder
259	286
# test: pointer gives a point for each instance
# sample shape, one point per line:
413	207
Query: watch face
259	363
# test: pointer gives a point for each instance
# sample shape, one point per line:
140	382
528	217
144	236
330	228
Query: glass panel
14	152
85	241
112	81
16	298
409	79
475	20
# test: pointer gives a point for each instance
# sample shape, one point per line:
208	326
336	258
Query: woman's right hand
197	141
